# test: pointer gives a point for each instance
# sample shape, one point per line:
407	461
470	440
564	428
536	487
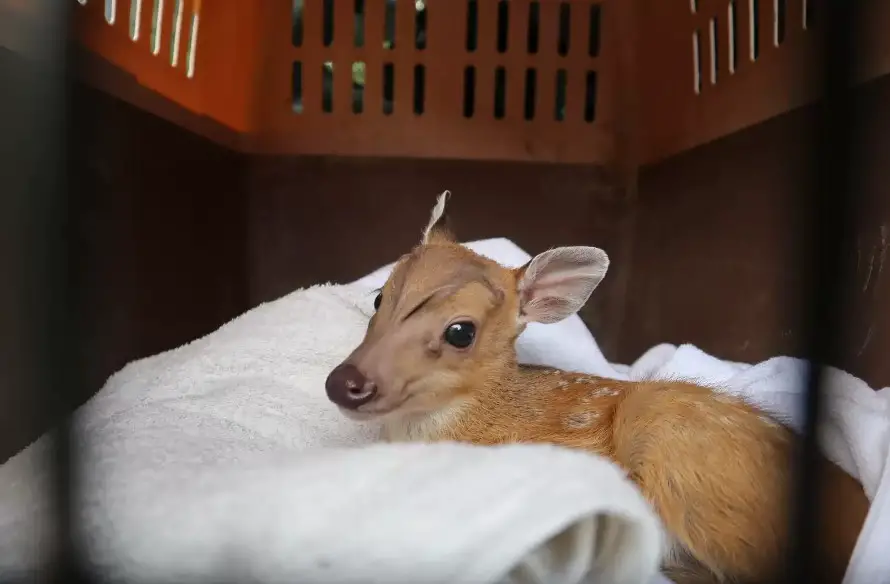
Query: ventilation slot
135	14
754	27
157	26
779	21
389	81
503	24
590	97
297	87
419	88
534	25
327	22
696	63
693	6
389	26
531	80
472	24
712	41
327	87
469	91
809	8
358	87
562	39
420	24
731	31
561	81
358	19
500	93
110	11
593	35
177	33
297	23
192	47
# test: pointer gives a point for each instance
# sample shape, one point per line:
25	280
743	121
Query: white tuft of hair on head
436	214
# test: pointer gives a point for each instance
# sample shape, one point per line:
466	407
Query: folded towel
223	458
210	510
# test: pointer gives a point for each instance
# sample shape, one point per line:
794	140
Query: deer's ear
556	284
437	228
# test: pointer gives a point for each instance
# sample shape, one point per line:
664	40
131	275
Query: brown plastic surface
717	244
646	110
441	131
673	118
226	52
243	79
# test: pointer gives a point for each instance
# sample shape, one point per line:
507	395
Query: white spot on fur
604	392
562	384
423	427
436	214
580	420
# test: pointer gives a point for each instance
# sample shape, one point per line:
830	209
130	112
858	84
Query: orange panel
441	129
773	67
198	55
234	62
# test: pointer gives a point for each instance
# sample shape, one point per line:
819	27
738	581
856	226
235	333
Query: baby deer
438	363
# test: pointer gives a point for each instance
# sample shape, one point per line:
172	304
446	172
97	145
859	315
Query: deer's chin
358	416
375	409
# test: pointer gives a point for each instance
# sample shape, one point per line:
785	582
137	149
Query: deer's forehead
430	269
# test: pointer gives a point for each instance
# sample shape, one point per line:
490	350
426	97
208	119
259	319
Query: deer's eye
460	334
378	300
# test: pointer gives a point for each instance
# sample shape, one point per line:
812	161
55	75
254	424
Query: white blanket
224	455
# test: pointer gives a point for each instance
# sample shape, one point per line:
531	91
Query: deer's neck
523	404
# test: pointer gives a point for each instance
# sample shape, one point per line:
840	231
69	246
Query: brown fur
715	469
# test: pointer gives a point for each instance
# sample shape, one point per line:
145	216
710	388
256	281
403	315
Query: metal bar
38	200
828	244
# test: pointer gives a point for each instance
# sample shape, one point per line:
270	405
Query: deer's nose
347	387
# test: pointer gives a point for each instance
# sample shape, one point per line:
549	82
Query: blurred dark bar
41	255
830	202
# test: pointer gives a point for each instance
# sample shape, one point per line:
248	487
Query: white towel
443	513
237	403
225	456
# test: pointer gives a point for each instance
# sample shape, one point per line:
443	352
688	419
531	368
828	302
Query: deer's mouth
376	408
